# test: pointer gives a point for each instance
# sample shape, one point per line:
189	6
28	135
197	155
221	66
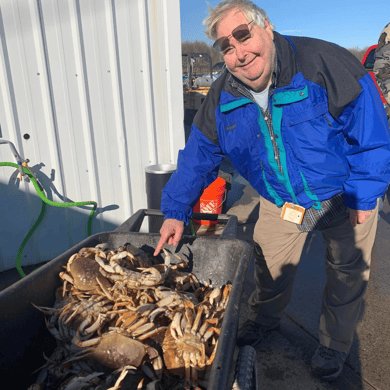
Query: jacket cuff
354	204
180	216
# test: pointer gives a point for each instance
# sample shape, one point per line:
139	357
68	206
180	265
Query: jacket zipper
327	119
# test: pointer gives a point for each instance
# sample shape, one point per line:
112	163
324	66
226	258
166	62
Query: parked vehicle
368	63
197	84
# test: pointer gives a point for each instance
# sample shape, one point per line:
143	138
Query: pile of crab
123	321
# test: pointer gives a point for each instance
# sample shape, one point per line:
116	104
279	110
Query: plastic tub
24	337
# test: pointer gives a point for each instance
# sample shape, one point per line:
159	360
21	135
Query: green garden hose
42	195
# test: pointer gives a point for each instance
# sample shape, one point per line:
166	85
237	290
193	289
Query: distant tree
203	47
357	52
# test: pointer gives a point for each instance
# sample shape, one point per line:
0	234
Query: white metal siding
96	84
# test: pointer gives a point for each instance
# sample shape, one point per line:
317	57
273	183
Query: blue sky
348	23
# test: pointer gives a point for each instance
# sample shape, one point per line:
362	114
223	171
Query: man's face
251	61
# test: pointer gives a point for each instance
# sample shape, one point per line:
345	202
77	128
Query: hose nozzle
19	160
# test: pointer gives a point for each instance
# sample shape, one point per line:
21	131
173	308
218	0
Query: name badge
292	213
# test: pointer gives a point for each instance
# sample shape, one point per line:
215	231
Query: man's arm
382	63
198	166
367	148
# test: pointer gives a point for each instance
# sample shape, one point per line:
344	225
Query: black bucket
156	178
24	337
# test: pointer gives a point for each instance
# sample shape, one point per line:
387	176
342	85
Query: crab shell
116	351
84	271
174	349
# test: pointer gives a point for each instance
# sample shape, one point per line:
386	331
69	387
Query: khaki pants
347	263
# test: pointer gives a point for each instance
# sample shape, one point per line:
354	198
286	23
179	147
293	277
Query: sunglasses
240	33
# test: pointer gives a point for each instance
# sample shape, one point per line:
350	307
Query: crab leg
98	323
187	367
122	376
129	319
156	312
104	289
194	375
197	320
66	277
105	266
175	326
166	301
142	329
206	324
189	313
76	358
152	333
212	356
215	295
147	306
69	319
202	360
45	310
137	324
84	324
209	333
54	331
225	296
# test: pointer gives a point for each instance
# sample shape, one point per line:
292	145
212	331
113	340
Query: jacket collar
287	61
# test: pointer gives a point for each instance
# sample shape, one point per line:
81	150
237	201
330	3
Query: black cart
23	334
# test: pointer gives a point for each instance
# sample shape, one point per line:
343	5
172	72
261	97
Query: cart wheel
245	377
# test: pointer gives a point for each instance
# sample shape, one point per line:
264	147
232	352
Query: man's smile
248	63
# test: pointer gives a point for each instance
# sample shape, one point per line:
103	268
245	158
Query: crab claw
175	326
167	260
155	277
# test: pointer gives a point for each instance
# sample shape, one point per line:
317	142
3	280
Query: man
382	65
303	122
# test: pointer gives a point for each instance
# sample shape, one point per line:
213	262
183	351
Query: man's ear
268	29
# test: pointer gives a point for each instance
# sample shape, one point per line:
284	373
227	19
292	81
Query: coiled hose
45	201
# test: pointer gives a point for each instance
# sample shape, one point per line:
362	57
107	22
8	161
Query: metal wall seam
85	105
11	28
62	82
93	31
132	94
8	98
46	91
173	67
147	80
169	92
24	91
158	51
47	35
118	105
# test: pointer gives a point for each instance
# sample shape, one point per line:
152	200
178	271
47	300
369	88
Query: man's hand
171	232
358	216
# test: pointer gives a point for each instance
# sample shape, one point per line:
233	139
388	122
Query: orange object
211	200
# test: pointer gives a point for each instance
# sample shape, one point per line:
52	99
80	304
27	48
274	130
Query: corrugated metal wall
91	94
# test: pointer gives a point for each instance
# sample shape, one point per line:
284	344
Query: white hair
250	10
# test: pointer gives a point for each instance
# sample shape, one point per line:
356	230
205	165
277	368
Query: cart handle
133	224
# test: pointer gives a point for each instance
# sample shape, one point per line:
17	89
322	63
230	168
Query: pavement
283	357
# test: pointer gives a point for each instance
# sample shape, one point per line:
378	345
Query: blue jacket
330	128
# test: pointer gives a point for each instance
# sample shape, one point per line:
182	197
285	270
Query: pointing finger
163	239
